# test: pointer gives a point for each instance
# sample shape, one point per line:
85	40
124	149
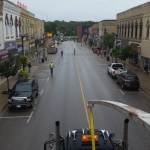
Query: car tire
10	108
122	86
117	81
37	93
32	104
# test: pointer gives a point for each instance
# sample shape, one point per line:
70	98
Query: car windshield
22	88
132	78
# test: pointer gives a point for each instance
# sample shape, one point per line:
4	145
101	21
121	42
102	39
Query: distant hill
68	28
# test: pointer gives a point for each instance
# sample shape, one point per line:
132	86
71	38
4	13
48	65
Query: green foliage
7	69
115	52
23	73
24	61
108	40
127	52
68	28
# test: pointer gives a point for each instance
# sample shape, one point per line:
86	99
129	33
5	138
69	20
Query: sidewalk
143	77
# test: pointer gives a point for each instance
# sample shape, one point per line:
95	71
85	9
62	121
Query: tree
24	61
8	69
108	40
127	51
115	53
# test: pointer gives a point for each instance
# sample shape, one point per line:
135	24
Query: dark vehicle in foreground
128	80
23	94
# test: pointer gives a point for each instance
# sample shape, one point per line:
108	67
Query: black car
23	94
128	80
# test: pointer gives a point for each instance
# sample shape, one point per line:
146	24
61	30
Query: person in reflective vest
51	66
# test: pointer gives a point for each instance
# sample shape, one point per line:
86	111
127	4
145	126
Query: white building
11	26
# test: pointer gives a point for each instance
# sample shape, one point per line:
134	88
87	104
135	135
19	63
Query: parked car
96	49
115	69
128	80
23	94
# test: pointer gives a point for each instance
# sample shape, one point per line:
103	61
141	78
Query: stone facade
39	28
108	26
133	27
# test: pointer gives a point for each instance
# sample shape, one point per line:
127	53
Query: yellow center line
83	97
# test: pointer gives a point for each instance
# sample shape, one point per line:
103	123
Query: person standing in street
51	66
29	66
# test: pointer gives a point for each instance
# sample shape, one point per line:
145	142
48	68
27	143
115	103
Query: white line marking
42	79
30	117
121	92
41	92
47	79
14	117
134	92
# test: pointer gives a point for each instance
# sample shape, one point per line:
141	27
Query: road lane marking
41	92
121	92
30	117
83	97
134	92
14	117
47	79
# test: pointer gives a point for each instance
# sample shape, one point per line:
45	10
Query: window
147	30
7	25
136	29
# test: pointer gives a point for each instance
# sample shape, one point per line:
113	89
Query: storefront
3	56
145	52
11	47
137	48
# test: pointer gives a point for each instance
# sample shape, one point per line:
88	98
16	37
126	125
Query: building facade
11	18
133	28
17	23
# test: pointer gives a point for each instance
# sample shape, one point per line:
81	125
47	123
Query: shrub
23	73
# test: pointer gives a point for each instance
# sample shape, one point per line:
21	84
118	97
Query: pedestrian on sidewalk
146	67
29	66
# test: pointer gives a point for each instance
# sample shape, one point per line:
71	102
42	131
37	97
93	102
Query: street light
22	37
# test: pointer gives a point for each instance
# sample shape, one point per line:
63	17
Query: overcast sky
78	10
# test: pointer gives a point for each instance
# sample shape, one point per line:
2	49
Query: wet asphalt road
77	79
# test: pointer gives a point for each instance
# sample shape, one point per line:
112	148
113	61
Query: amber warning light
88	138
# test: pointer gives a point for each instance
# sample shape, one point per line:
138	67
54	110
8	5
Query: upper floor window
6	25
147	29
128	29
132	27
140	26
136	29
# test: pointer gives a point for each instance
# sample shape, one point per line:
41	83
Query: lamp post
43	46
116	46
22	37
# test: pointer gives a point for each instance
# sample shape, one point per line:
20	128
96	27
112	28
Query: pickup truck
115	69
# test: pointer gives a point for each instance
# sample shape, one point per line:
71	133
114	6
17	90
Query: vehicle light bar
88	138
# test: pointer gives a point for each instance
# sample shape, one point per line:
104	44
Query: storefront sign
3	55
